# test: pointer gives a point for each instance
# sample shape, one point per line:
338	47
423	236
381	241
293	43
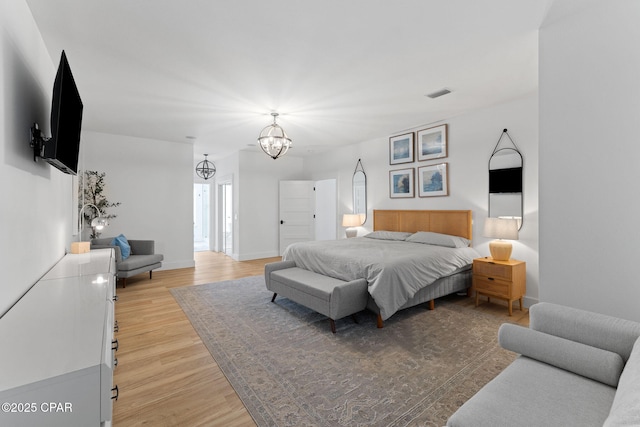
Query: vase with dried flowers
91	190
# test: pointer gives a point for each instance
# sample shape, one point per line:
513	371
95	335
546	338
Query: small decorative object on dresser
505	280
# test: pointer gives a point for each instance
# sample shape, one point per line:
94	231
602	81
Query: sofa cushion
529	393
122	243
137	261
314	284
625	410
591	362
594	329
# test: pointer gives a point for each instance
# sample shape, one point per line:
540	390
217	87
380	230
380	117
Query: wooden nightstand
505	280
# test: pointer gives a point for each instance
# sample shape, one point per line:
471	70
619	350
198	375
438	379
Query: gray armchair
142	259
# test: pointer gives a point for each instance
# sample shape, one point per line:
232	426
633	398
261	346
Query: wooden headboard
456	223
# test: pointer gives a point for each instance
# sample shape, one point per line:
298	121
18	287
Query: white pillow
388	235
437	239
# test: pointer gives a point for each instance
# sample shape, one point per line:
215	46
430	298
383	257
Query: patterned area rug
290	370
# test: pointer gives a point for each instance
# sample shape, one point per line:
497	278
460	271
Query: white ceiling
337	71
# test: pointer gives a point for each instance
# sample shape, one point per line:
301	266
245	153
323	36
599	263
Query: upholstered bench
331	297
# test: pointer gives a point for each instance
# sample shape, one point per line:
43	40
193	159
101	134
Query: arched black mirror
506	198
359	191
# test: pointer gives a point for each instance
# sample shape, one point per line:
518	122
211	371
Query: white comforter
395	270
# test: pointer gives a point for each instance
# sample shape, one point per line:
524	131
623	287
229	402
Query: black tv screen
507	180
66	121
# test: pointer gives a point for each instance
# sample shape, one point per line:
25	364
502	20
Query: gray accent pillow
388	235
625	410
590	362
438	239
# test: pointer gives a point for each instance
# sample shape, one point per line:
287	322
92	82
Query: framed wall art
433	180
432	143
401	149
401	183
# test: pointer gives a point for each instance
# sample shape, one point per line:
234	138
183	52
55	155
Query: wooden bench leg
432	304
380	322
274	297
333	325
150	271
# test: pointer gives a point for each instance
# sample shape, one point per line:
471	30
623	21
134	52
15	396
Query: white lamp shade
351	220
501	228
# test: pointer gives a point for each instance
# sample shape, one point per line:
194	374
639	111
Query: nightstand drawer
495	287
490	269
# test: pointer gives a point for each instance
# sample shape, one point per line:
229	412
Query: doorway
225	217
201	215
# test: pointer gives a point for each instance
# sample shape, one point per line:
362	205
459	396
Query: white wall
36	208
590	158
472	138
154	182
258	215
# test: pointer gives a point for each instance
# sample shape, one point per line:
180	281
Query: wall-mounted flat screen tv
63	148
508	180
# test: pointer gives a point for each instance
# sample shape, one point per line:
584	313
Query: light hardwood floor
165	374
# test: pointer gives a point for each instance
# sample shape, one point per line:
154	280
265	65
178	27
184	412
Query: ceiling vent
438	93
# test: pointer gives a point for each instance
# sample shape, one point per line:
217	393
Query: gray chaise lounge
576	368
142	259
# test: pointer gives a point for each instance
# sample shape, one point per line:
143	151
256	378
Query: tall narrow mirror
505	182
359	191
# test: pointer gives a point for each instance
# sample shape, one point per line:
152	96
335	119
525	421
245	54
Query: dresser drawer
489	269
494	287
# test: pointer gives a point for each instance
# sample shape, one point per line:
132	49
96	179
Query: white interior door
297	203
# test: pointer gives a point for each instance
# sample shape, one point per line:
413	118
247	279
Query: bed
393	259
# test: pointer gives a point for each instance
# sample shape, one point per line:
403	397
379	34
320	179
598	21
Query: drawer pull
491	278
115	297
117	393
115	326
115	362
114	345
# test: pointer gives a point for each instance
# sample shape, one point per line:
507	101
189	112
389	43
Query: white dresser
57	347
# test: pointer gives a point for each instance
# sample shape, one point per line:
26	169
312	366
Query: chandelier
274	140
205	169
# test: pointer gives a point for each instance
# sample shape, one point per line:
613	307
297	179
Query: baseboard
255	255
528	301
174	265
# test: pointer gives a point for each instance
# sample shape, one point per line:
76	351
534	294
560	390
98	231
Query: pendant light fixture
274	140
205	169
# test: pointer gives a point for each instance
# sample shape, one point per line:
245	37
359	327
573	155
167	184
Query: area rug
290	370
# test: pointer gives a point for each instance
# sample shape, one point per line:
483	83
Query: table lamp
351	220
98	223
501	228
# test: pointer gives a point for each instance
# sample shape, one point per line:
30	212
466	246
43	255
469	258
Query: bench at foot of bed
329	296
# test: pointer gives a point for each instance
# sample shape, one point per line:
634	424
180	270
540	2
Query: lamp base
80	247
500	250
351	232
